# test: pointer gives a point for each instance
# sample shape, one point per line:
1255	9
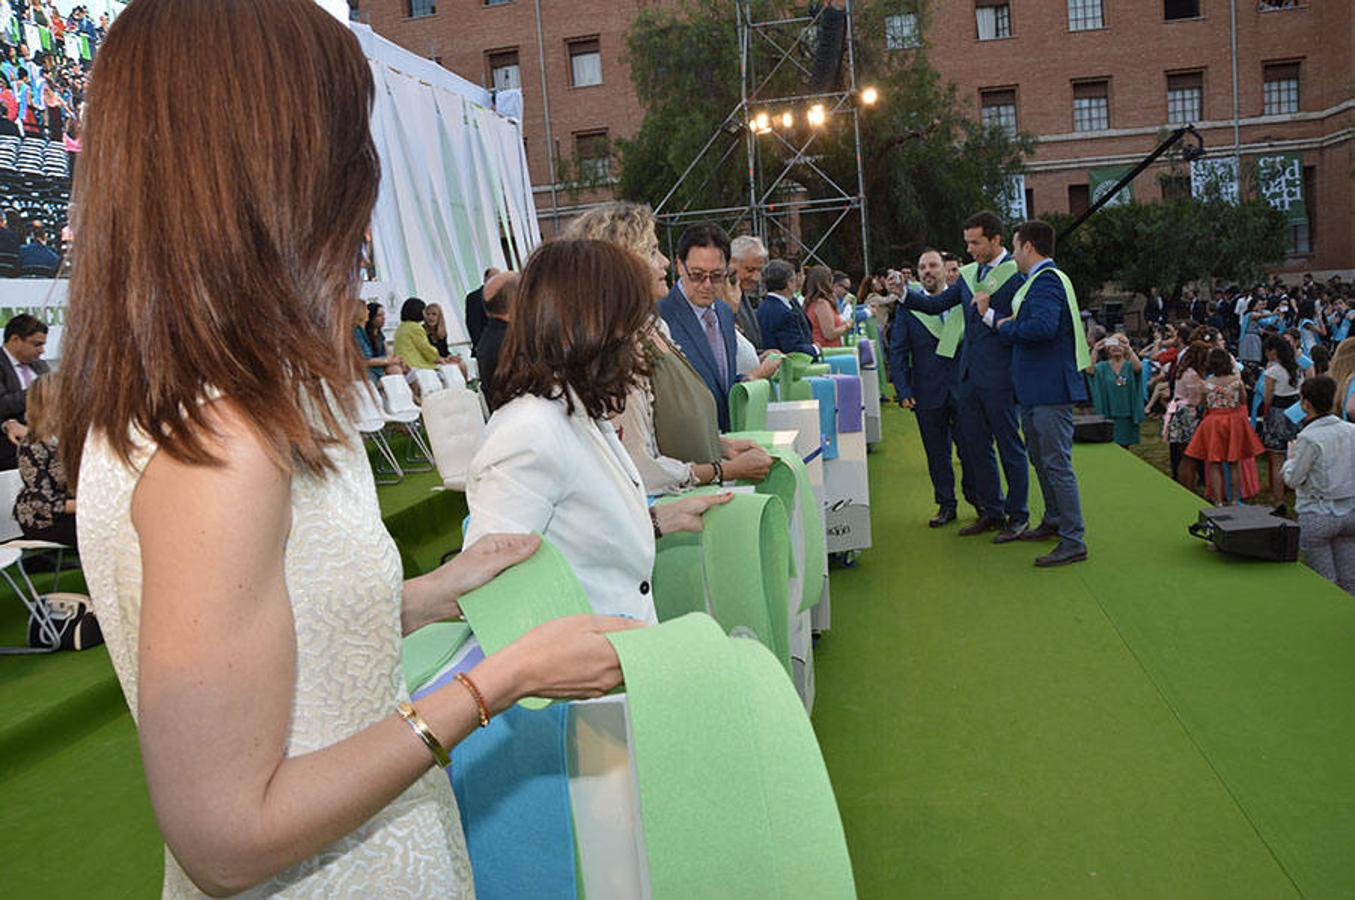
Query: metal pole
856	134
1237	125
545	103
746	111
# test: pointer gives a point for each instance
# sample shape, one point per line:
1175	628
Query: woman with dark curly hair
550	460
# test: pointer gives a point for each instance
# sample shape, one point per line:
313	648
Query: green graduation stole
934	324
1084	354
954	327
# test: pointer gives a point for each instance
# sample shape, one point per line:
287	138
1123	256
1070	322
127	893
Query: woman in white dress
251	598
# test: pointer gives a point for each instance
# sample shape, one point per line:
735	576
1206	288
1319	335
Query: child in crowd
1225	435
44	508
1320	467
1279	393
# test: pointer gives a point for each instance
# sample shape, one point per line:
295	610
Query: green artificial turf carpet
1161	721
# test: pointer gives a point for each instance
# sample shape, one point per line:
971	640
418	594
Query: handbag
74	620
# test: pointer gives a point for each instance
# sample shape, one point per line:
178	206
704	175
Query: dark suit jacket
9	243
914	367
37	256
1044	355
984	360
13	404
785	328
487	356
690	336
746	321
476	316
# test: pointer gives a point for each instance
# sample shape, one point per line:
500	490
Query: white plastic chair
11	558
428	381
403	412
451	375
455	422
370	422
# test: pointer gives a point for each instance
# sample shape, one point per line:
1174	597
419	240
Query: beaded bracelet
479	697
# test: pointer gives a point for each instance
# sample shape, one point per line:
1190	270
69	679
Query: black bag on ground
76	626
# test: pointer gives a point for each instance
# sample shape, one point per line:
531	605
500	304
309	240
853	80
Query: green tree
927	163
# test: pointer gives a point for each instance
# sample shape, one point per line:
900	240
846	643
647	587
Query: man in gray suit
25	339
747	256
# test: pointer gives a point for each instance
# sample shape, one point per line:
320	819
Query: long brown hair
41	407
577	319
819	285
217	252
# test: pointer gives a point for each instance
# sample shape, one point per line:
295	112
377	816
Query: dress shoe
1062	555
1012	532
1045	532
984	523
942	518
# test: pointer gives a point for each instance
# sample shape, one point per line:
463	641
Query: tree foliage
927	163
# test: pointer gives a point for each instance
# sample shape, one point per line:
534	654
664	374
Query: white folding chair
454	423
451	375
371	424
428	381
11	560
403	412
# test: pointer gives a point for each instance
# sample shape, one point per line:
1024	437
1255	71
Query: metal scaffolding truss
785	180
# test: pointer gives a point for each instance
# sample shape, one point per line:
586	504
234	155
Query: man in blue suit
1049	352
927	384
987	412
702	327
783	322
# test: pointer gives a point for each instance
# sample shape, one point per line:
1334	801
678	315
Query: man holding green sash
987	403
926	383
1049	352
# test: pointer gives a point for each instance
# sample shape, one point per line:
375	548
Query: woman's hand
732	447
766	369
685	514
434	597
70	507
567	658
750	465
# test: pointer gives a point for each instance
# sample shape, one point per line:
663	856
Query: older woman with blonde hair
669	425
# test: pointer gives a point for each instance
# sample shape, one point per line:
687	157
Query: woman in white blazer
550	461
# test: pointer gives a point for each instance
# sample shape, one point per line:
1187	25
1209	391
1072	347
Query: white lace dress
344	578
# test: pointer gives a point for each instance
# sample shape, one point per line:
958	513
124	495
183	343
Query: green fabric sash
1080	348
790	377
539	590
934	324
789	467
748	405
426	651
818	369
716	726
953	331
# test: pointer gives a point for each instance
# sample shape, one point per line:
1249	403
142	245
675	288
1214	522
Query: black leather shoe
1063	555
942	518
1045	532
984	523
1011	533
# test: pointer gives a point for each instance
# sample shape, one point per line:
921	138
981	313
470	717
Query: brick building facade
1099	82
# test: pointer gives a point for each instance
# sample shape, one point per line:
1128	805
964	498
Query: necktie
25	375
717	346
983	271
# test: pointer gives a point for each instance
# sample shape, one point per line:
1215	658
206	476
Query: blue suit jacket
784	328
914	367
690	336
984	361
1044	357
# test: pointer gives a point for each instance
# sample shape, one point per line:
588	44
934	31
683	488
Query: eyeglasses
698	277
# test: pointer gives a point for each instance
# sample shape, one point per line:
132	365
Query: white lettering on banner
1283	185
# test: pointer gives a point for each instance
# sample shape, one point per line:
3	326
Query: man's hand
766	369
982	300
907	403
999	325
15	431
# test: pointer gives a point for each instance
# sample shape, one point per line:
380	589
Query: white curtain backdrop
454	184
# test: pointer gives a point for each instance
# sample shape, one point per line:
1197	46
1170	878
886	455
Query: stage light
787	120
817	115
762	122
869	96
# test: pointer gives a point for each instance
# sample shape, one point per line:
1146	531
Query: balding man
747	256
500	292
476	314
928	384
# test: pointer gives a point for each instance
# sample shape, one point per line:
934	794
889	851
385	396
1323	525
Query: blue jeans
988	417
1049	437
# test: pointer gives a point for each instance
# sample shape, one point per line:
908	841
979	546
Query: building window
1030	203
994	19
420	8
1301	234
1185	98
1085	15
997	109
1079	198
1281	88
1272	5
901	32
504	74
497	2
1091	106
1180	9
585	63
1175	187
594	156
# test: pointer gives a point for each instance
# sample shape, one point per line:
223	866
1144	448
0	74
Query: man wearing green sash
926	382
1049	352
987	404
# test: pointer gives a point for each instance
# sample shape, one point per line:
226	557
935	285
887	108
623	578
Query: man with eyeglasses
702	327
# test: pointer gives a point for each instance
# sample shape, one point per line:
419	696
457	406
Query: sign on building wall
1015	199
1102	179
1279	181
1214	179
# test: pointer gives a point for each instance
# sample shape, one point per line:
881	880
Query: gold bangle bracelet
425	734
